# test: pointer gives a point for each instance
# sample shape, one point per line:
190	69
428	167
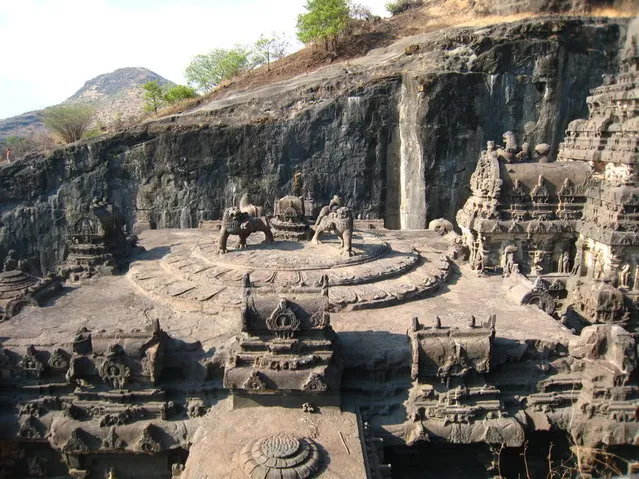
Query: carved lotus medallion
283	319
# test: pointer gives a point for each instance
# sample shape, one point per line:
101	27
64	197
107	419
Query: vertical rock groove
412	208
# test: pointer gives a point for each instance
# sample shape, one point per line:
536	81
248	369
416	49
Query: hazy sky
51	47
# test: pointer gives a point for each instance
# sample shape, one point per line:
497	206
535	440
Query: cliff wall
396	134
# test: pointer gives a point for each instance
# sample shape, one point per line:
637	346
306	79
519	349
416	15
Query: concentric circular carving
14	283
281	456
195	277
280	446
289	256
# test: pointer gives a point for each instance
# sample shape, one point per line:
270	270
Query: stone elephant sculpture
339	222
236	222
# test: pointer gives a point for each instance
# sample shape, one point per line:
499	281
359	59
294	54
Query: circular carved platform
14	283
281	455
381	272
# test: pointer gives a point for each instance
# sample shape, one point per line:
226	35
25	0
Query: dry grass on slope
433	15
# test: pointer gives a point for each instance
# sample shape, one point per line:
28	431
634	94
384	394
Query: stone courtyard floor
119	302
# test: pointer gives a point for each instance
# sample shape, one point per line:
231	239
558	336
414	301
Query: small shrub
395	8
70	121
15	147
179	93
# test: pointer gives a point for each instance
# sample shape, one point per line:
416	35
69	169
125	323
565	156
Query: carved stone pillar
614	266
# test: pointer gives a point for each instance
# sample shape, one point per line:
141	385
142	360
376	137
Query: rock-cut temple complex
309	342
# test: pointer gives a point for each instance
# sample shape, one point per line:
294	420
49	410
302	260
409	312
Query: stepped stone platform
118	302
386	268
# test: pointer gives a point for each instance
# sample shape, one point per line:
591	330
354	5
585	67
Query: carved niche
114	369
315	383
567	192
78	442
485	181
540	196
59	360
255	382
113	441
283	321
32	364
129	415
148	443
540	296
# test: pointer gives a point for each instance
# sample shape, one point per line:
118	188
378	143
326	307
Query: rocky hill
115	95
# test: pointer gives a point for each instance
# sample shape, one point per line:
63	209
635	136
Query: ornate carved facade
288	350
96	242
575	216
101	394
289	222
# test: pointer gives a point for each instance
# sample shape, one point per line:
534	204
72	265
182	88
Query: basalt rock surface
395	134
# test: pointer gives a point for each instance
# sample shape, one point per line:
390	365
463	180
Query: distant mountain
27	124
115	95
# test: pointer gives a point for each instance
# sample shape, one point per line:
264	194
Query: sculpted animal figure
339	222
510	147
247	207
335	203
236	222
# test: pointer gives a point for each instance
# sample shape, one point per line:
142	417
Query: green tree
268	49
324	21
205	72
179	93
153	96
69	120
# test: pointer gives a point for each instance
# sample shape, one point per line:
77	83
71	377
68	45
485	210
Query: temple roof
610	133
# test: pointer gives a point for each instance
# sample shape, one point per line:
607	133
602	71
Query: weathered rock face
399	146
526	86
506	7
